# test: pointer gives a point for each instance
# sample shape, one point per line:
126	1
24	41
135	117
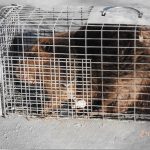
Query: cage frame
38	26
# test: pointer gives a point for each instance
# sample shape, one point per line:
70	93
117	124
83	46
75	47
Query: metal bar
140	14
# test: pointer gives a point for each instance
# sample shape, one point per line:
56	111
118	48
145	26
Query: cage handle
140	14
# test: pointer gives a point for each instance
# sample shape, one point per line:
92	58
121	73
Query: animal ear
144	34
46	44
141	37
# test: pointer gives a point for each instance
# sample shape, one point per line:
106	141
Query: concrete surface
19	132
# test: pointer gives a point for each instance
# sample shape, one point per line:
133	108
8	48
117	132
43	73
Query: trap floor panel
57	64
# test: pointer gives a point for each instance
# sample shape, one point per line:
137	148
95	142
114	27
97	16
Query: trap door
9	18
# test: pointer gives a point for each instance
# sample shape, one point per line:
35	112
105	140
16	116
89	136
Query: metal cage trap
75	62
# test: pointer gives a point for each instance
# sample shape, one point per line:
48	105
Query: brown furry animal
43	70
120	67
41	65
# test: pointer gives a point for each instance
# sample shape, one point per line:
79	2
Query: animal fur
125	82
115	88
41	65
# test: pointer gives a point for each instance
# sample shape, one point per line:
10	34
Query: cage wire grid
56	64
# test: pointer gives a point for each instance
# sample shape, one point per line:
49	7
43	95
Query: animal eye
47	47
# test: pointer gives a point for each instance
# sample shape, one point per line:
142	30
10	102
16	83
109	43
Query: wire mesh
56	64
